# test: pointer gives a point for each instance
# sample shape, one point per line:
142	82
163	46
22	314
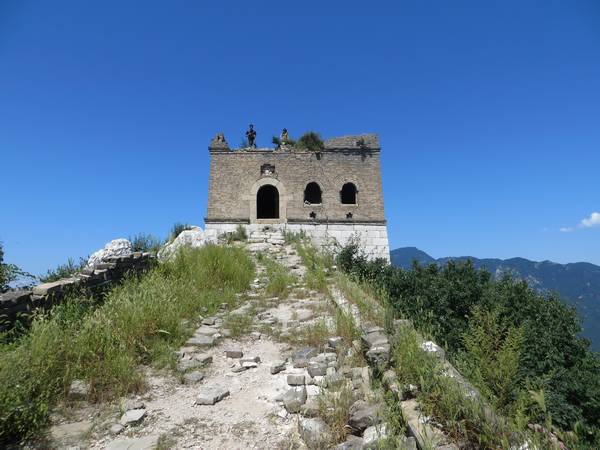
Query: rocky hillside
577	283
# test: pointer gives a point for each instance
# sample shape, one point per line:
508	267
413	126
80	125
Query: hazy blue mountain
577	283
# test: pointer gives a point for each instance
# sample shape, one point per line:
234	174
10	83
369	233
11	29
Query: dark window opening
267	202
348	194
312	194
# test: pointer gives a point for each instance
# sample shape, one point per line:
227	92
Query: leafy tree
9	272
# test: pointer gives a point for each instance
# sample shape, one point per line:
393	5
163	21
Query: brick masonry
237	175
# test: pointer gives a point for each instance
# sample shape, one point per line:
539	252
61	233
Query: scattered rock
210	396
317	369
314	432
249	365
277	366
410	443
193	377
255	335
294	398
79	390
254	359
373	435
208	321
362	416
301	357
352	443
296	379
132	416
234	353
116	428
201	340
335	341
114	248
193	238
133	404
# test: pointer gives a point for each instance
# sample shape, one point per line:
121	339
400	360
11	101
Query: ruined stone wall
21	303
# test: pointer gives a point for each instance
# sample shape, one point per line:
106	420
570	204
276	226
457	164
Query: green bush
10	272
537	333
311	141
66	270
140	321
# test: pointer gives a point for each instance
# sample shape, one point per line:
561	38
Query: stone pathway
255	391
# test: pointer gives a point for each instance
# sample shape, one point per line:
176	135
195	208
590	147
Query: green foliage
10	272
276	141
311	141
140	321
318	265
176	229
149	243
291	237
239	235
66	270
280	281
538	334
491	357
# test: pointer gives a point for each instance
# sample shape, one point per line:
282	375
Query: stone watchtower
331	194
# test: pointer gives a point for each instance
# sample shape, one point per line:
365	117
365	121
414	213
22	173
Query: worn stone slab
143	443
193	377
374	435
314	432
363	415
301	357
296	379
79	390
426	435
294	398
211	395
208	321
132	416
205	330
201	341
277	366
234	353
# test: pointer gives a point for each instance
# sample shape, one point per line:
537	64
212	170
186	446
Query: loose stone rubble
256	390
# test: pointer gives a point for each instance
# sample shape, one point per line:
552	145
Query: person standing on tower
251	135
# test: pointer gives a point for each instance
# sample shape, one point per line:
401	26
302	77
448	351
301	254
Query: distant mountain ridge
577	283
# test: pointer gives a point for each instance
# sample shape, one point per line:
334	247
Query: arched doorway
267	202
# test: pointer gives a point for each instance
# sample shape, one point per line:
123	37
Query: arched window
348	194
267	202
312	194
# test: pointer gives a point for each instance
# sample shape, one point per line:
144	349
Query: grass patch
313	335
280	281
139	322
318	265
334	406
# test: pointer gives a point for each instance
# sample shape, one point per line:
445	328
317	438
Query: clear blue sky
488	113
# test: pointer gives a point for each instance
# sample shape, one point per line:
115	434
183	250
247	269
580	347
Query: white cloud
588	222
592	221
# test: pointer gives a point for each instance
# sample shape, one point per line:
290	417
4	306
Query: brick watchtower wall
331	195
